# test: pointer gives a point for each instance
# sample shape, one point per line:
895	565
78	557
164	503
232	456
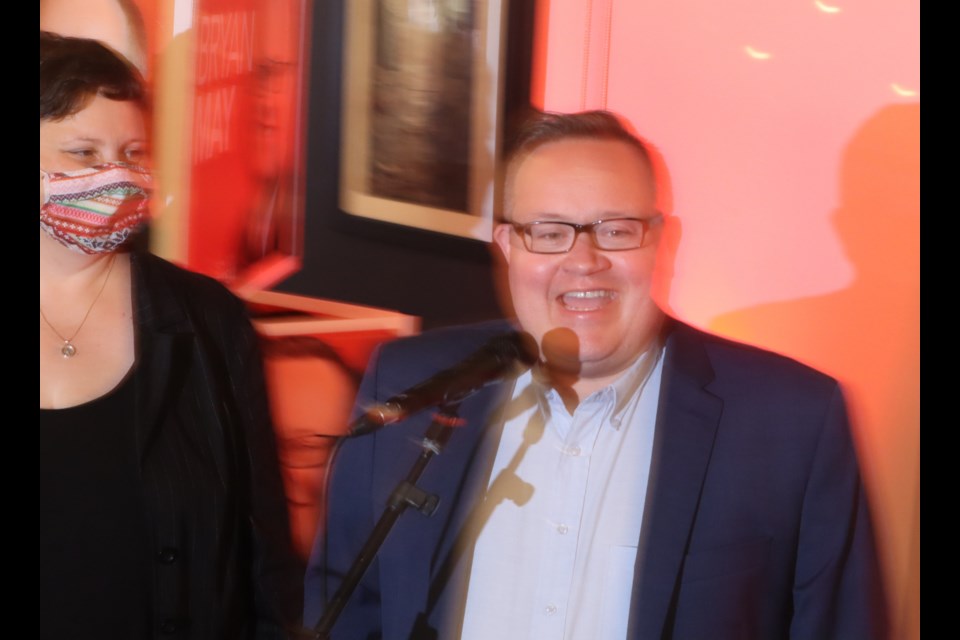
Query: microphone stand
406	494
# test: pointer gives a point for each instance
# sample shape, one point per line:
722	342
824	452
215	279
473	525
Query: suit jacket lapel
450	566
687	420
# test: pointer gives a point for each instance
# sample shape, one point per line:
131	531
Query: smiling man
580	245
642	480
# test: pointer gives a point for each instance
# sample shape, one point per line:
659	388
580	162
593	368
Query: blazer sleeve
837	590
365	471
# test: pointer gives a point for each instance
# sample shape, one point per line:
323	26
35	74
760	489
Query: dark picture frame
371	262
422	112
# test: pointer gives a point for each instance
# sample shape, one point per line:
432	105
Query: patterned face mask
95	210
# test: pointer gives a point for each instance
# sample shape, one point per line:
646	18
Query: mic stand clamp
411	495
406	494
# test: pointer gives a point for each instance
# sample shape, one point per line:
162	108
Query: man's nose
584	256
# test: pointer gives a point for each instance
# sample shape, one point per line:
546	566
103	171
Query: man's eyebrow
547	216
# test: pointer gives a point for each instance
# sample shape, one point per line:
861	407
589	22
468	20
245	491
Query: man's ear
501	235
668	243
500	251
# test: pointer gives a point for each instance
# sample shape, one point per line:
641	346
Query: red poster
246	196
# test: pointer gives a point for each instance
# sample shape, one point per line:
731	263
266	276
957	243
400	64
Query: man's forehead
592	176
571	154
580	148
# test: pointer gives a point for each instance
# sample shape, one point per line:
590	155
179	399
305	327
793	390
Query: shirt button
550	609
573	451
562	529
615	422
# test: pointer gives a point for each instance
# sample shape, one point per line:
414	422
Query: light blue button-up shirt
555	559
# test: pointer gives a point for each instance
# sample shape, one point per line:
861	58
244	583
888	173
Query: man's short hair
74	70
539	128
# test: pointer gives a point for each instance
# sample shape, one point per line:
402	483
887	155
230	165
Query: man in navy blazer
643	480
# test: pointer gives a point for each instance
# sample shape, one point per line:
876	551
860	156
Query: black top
94	574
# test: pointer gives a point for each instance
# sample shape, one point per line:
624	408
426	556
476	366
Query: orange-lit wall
791	133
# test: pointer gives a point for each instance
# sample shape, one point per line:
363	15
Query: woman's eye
135	155
82	153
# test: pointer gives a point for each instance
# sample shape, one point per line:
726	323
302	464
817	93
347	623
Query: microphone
504	356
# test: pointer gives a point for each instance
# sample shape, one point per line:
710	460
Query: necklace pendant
68	350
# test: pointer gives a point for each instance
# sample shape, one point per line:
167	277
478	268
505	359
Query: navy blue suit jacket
755	526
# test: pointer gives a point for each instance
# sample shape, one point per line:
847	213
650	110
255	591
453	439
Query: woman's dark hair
74	70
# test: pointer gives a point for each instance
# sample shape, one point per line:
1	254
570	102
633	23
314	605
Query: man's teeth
586	300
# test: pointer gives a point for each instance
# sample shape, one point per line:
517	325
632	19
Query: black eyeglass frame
522	228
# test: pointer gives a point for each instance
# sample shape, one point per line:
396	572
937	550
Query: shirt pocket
617	591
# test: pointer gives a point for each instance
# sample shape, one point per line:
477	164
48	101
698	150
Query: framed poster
421	113
248	120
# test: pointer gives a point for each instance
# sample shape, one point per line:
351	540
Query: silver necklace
68	349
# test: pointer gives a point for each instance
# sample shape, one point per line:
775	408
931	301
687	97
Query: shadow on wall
868	335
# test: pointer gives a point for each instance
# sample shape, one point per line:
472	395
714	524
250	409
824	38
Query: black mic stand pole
407	494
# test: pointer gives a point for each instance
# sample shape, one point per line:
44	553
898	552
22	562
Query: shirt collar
625	389
628	387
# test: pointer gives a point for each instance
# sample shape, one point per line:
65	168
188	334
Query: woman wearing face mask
161	507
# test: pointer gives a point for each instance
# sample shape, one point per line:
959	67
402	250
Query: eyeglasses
552	236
